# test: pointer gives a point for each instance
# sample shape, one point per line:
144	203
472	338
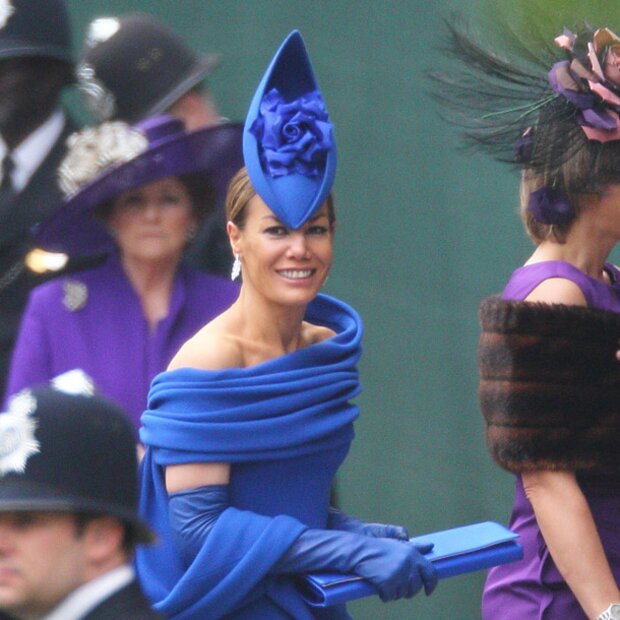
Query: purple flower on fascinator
597	119
294	135
564	82
550	206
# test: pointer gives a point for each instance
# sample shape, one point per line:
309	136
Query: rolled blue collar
289	406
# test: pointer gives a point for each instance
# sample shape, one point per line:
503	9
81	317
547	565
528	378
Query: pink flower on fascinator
604	56
593	89
566	40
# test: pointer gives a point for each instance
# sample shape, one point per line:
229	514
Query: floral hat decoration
288	143
513	109
104	161
590	80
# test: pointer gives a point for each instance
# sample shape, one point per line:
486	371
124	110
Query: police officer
68	507
35	65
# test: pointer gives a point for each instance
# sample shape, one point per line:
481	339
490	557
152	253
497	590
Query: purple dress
93	320
533	589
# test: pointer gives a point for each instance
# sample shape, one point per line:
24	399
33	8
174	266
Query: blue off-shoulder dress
285	426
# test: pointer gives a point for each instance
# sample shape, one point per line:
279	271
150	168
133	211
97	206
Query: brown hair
565	159
198	186
130	536
241	191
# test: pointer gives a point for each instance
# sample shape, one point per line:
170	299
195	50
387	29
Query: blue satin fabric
285	426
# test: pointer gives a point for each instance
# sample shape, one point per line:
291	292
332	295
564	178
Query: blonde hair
241	191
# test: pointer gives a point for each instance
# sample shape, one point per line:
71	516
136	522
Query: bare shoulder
312	334
211	348
558	291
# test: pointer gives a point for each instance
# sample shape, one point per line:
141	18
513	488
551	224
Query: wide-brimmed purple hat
107	160
288	143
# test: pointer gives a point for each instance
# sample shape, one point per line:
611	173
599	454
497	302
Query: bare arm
191	475
570	533
561	509
209	353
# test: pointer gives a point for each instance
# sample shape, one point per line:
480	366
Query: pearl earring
236	268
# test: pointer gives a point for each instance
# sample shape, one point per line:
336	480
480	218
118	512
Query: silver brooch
6	10
17	440
75	295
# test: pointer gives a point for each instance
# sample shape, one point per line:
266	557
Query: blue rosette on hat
288	141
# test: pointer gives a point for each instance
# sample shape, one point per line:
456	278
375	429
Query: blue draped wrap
296	406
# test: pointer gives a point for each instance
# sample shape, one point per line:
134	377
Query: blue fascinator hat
288	143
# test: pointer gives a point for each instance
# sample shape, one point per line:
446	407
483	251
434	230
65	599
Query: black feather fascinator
538	105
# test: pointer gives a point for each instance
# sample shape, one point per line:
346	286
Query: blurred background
425	231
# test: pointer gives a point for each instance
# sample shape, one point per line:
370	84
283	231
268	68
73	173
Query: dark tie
7	189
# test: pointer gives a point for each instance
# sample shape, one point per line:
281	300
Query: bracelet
611	613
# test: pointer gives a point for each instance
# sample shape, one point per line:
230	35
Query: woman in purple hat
246	430
136	194
549	375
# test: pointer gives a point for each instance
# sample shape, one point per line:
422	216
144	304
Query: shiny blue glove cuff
192	513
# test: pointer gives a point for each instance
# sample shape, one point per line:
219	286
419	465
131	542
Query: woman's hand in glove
338	520
397	569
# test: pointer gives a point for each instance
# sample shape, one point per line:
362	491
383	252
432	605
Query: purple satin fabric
108	336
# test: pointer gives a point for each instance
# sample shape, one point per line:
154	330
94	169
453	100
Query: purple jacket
93	320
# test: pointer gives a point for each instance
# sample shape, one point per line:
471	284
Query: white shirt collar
31	152
88	596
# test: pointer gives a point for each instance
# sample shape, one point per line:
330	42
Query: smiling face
284	266
152	222
41	561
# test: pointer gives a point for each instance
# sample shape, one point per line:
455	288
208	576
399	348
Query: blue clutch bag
458	550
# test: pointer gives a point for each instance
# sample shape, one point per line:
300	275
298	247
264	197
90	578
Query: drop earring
236	268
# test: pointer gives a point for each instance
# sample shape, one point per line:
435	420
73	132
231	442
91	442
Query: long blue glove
397	569
338	520
192	514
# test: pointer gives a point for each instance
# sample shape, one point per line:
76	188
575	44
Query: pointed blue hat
288	143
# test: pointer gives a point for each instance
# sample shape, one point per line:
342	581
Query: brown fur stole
550	386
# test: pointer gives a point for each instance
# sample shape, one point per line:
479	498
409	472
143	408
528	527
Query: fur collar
550	386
